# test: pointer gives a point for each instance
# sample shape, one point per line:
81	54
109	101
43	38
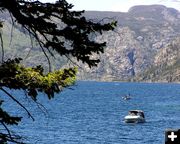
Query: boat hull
134	119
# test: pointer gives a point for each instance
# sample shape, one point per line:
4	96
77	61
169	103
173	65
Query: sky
117	5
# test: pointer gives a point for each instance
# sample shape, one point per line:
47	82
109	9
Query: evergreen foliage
56	28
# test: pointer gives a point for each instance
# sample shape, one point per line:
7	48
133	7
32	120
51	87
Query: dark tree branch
41	46
2	48
31	47
39	105
11	28
29	114
56	28
36	17
9	133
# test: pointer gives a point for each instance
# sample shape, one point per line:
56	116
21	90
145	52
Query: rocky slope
144	46
139	43
166	65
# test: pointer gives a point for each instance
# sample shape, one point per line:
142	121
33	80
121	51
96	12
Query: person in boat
137	113
142	114
133	113
127	97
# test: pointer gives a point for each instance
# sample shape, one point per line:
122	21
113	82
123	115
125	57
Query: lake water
93	113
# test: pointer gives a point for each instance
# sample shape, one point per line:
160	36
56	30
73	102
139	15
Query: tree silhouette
56	28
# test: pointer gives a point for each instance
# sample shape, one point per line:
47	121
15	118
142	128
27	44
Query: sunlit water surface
93	113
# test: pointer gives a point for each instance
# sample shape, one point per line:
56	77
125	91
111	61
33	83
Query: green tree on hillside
56	28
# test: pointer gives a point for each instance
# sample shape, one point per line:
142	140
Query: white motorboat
135	116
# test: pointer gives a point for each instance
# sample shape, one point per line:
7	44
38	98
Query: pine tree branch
29	114
2	47
9	133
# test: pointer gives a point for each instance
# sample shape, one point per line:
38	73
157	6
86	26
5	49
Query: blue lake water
93	113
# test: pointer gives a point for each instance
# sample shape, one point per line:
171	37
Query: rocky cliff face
141	41
166	65
144	46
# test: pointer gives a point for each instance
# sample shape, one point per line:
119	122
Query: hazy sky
117	5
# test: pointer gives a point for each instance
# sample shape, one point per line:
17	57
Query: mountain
166	65
143	33
144	46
